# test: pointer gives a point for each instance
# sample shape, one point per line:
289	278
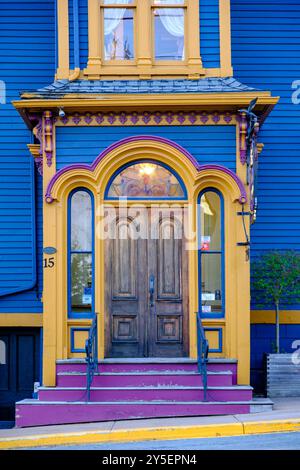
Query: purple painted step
65	379
146	394
35	413
188	366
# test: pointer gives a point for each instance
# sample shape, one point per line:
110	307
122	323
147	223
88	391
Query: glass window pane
81	282
81	221
169	33
210	222
211	288
143	180
118	34
169	2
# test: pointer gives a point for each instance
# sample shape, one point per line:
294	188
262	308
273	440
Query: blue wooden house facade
95	94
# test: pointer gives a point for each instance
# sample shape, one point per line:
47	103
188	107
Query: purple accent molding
76	119
99	118
199	168
88	118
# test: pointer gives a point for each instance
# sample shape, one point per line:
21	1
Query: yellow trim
236	327
237	427
287	317
225	38
21	319
220	101
63	39
51	298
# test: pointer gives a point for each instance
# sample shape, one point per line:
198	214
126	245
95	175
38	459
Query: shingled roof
61	88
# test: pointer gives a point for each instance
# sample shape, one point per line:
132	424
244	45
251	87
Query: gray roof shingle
205	85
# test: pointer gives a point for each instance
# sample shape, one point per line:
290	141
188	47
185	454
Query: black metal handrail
91	350
202	346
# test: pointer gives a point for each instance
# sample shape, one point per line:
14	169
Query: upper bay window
144	37
168	27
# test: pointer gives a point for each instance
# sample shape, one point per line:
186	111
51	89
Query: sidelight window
211	254
81	258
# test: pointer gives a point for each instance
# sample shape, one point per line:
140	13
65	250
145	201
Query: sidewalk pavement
285	417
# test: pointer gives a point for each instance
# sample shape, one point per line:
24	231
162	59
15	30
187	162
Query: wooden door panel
169	328
168	264
124	256
168	316
124	327
124	292
134	328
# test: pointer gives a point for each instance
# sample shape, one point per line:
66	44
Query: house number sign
49	262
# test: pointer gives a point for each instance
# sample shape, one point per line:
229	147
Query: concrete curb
153	434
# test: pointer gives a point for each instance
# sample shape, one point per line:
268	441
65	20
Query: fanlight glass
146	180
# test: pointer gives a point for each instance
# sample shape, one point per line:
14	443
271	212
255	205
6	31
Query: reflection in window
81	252
146	180
118	31
211	254
169	30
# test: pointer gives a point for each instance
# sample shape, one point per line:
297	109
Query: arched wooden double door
146	285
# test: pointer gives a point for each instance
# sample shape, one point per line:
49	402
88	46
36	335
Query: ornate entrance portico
220	301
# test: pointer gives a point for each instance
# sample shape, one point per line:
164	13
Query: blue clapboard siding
209	33
27	60
83	33
209	144
266	54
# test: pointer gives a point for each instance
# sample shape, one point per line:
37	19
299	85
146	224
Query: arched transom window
145	179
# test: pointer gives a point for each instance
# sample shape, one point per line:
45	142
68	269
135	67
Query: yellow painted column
243	305
63	70
143	46
49	260
95	43
225	38
193	37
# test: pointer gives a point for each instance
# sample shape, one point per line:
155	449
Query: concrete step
131	379
172	393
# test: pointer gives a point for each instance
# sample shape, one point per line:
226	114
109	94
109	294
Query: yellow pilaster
225	38
242	337
50	260
193	35
63	39
95	43
144	53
